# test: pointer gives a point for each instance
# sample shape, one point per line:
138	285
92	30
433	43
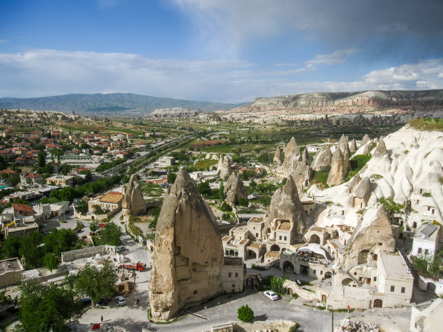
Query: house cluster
21	219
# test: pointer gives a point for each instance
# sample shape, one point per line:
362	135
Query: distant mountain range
108	104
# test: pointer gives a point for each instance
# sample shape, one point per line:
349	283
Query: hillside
377	98
108	104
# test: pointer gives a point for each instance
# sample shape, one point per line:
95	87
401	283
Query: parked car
120	300
85	302
120	248
271	295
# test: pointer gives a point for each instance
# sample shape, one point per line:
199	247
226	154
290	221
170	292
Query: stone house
62	180
10	272
30	179
426	239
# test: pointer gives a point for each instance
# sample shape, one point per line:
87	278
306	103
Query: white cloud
49	72
335	57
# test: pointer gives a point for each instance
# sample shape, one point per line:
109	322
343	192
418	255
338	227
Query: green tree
93	226
171	177
94	282
111	235
82	206
31	250
51	261
60	240
277	285
98	209
65	169
45	307
41	158
204	188
245	314
11	246
14	180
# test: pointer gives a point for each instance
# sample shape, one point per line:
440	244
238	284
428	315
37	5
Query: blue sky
218	50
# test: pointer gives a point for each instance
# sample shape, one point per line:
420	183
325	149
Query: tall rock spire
285	204
188	252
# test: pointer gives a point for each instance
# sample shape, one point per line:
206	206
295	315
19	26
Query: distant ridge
108	104
376	98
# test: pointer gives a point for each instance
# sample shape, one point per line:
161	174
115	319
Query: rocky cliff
376	98
188	255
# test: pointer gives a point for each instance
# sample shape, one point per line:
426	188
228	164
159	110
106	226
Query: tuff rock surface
292	156
372	235
224	166
234	189
338	172
285	204
322	160
133	201
277	156
188	253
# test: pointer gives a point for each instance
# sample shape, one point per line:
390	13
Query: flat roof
395	266
9	265
285	226
112	197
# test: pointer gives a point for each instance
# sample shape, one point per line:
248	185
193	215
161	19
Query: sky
218	50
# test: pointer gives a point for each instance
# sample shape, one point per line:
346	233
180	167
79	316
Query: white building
166	161
427	317
425	241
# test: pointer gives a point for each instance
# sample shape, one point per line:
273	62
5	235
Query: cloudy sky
218	50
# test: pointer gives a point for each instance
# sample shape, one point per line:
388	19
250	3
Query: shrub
225	207
294	328
243	202
245	314
277	285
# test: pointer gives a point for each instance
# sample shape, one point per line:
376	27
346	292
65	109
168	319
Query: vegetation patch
427	124
357	163
321	179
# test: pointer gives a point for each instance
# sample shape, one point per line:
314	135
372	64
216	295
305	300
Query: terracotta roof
22	207
8	171
31	175
112	197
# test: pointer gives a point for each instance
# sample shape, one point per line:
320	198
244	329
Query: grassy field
205	164
427	124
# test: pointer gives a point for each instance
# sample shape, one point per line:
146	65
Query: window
419	250
355	273
426	251
279	237
392	288
375	278
285	238
403	289
229	274
236	275
233	285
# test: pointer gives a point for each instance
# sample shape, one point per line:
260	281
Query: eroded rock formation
277	156
338	172
188	252
323	159
286	205
292	157
372	236
224	166
133	202
234	189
